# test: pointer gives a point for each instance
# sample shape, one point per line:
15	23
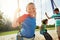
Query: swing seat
28	38
19	37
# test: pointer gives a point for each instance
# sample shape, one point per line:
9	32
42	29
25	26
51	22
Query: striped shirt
57	19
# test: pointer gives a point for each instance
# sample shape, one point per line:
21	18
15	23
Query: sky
8	7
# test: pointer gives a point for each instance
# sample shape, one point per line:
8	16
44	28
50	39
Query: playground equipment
19	37
53	4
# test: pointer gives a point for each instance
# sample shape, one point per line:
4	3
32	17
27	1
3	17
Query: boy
28	22
56	16
43	30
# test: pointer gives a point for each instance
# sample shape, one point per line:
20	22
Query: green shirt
57	19
43	28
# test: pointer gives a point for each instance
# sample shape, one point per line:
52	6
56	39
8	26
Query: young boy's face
56	12
31	9
46	22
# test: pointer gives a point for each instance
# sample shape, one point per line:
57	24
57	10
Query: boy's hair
56	9
31	3
44	21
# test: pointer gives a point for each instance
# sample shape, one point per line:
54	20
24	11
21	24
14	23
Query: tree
1	13
1	20
5	24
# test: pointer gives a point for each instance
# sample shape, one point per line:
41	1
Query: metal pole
18	7
52	3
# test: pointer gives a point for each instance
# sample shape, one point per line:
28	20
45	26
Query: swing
53	4
19	37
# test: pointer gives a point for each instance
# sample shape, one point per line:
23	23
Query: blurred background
8	8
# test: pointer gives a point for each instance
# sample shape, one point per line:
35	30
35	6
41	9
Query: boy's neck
31	15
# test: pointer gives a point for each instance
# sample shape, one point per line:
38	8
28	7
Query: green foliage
1	13
49	26
5	24
37	27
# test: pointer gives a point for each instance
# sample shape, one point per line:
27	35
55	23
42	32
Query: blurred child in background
56	16
43	30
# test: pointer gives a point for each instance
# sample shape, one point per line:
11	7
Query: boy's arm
20	20
15	23
47	16
40	27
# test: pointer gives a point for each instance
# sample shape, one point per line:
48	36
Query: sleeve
22	18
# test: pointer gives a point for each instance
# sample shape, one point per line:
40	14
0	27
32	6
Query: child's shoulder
23	17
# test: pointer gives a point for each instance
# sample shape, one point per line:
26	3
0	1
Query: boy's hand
18	10
45	13
47	16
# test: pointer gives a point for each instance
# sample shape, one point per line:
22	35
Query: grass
16	31
52	28
8	32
